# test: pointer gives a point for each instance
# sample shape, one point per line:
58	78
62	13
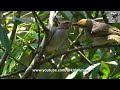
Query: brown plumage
100	33
58	40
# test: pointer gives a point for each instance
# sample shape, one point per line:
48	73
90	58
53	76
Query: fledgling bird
100	33
58	39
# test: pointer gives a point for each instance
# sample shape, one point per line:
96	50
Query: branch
88	13
71	44
104	16
38	32
53	64
85	59
115	69
96	14
5	55
79	35
29	69
80	48
12	73
37	59
42	24
14	58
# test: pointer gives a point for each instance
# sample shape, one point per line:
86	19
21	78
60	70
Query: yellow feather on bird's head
84	23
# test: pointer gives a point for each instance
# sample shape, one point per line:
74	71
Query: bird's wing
100	28
114	38
51	34
103	29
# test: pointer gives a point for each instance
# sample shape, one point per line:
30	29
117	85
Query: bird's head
84	23
65	25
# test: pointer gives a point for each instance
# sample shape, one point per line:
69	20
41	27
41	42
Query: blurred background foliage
105	61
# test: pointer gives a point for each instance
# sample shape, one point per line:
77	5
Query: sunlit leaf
93	13
82	15
112	62
90	68
12	65
91	53
24	20
72	75
6	67
105	70
64	15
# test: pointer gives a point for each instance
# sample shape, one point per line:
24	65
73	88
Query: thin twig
53	64
12	73
78	37
28	71
104	16
88	13
37	59
85	59
42	24
38	32
15	59
61	61
76	49
71	44
115	69
58	22
18	61
96	14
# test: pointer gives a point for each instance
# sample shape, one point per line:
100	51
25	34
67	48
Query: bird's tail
114	38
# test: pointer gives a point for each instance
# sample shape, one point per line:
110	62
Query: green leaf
95	71
117	75
24	20
91	53
82	15
34	45
90	68
6	67
72	75
105	70
93	13
4	38
35	34
117	25
12	65
112	62
64	15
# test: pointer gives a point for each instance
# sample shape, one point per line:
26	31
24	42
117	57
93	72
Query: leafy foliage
29	36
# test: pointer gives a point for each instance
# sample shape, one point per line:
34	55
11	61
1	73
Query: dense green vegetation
22	50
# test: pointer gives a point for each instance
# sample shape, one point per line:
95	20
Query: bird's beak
75	24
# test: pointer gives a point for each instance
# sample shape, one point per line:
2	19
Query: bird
58	39
100	33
